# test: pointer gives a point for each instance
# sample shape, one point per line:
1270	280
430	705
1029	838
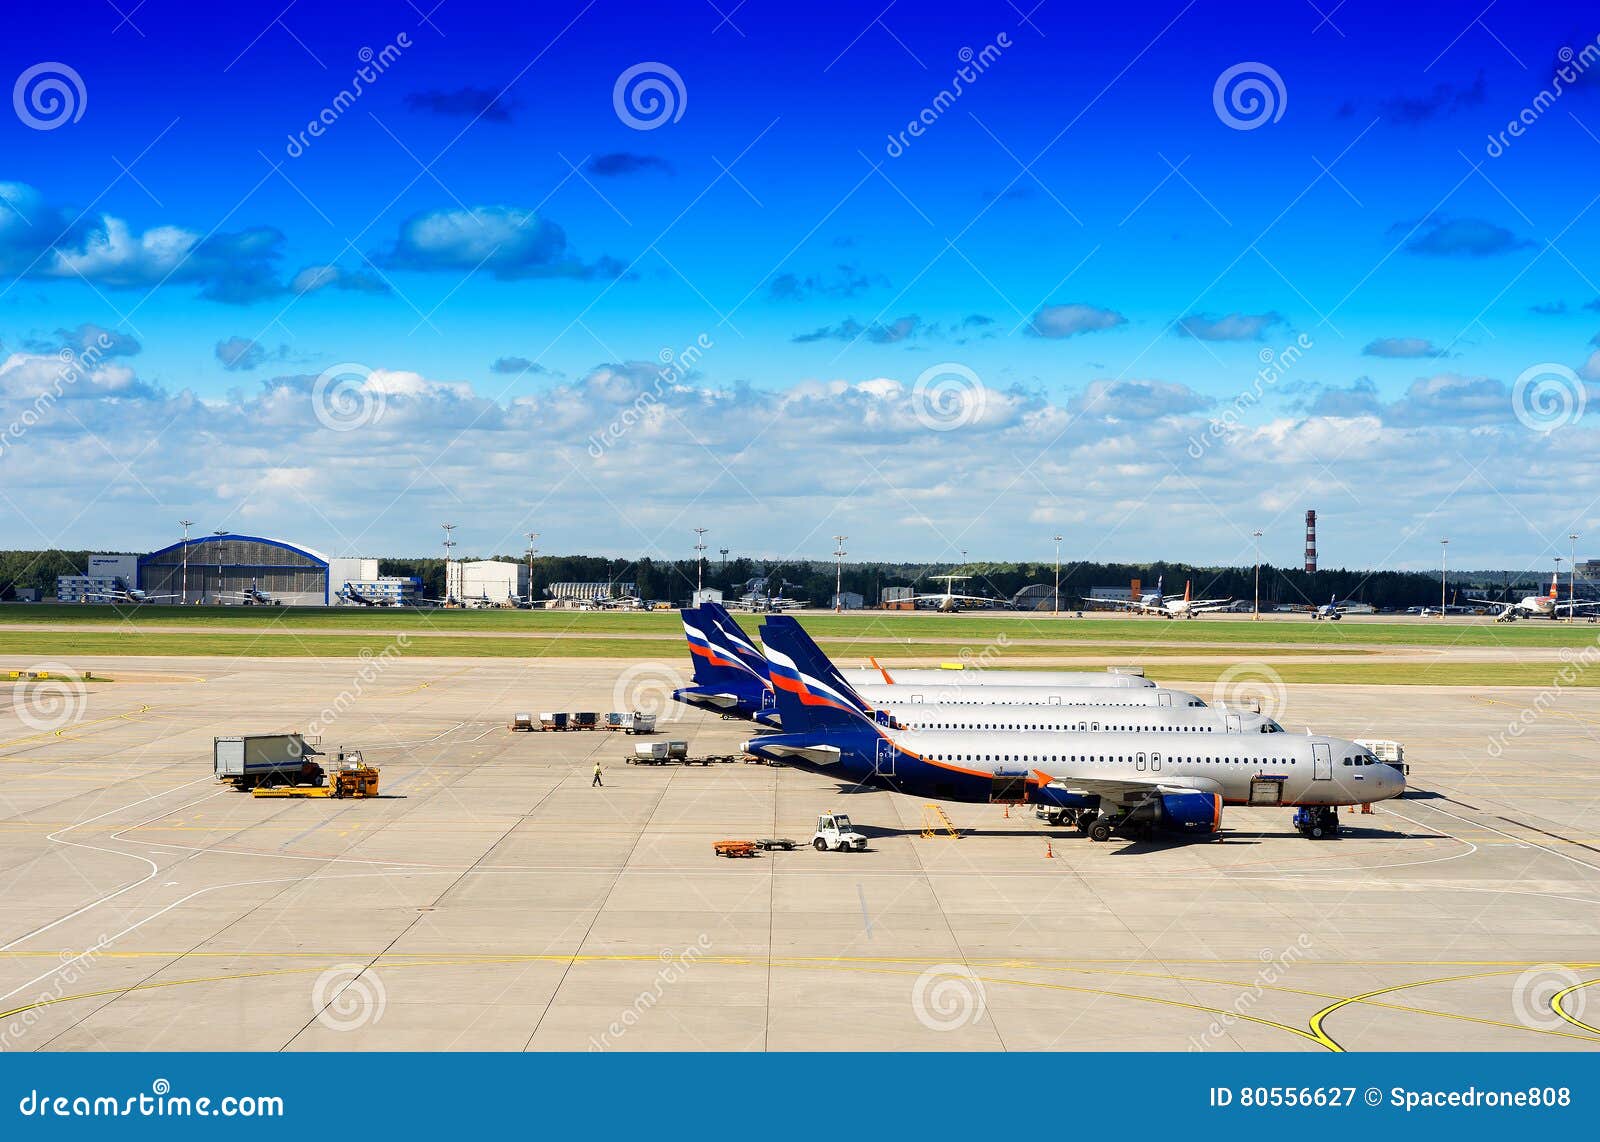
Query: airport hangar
208	567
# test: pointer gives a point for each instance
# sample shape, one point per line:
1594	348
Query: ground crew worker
597	780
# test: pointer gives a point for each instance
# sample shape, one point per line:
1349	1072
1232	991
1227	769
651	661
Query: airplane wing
1208	604
1576	606
1129	789
1125	604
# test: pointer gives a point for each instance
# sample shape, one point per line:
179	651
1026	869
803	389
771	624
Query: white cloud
773	471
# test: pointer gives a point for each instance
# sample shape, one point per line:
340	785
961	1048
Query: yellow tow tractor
349	777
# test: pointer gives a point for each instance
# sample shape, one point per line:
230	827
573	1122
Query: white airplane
1126	783
758	598
350	595
122	593
1331	610
963	675
1184	608
1536	606
948	602
1052	694
251	597
1079	719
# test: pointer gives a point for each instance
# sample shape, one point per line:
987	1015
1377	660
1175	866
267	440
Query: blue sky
1080	250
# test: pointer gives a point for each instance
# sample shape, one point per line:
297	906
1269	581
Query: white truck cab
834	832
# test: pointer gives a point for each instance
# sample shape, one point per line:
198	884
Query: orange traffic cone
1048	851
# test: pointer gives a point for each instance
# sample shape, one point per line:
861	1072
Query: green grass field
29	649
922	638
971	630
268	644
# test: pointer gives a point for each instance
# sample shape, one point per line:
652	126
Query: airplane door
1321	761
883	761
1055	699
1138	762
916	697
1164	698
1155	763
1235	725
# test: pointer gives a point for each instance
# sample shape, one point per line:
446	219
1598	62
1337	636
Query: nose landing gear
1317	821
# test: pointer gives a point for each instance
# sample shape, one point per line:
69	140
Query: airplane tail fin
811	693
1555	586
728	636
1186	586
712	665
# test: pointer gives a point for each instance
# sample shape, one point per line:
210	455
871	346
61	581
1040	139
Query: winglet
886	679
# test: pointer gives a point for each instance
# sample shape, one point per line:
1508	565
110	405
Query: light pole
1572	581
448	544
1444	559
1056	600
838	573
183	599
724	553
699	561
1256	617
532	551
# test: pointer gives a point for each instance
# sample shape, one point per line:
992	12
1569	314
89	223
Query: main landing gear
1317	821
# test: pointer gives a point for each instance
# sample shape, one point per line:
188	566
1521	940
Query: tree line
813	580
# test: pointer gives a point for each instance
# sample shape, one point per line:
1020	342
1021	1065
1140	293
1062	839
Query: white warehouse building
493	580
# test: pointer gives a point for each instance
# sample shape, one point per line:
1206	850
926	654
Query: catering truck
266	759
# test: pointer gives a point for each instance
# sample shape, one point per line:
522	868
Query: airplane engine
1190	812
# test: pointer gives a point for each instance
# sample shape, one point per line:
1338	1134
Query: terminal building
485	581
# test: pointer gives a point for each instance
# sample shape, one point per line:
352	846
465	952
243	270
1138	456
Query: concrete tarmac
493	899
